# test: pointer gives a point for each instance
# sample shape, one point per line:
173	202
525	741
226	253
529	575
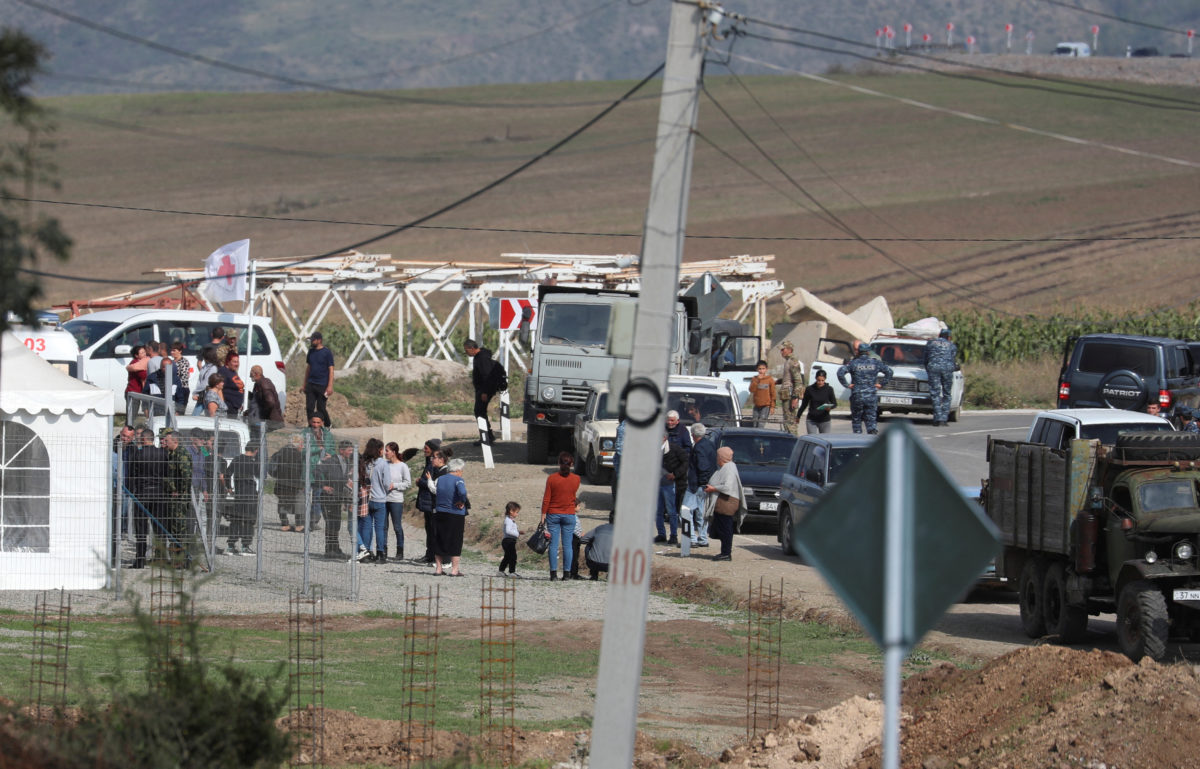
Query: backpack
498	377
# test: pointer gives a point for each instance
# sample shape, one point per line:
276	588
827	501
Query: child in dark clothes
509	542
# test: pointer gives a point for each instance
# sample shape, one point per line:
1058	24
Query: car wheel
581	467
537	444
1067	622
785	530
596	473
1142	621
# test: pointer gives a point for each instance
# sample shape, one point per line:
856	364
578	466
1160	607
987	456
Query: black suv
1123	371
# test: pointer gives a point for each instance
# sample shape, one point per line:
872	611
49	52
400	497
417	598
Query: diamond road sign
897	532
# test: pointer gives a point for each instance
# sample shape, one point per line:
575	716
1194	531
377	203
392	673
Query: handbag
727	504
538	542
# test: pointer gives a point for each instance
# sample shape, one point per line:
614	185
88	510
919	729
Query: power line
422	219
285	79
842	225
599	234
1122	19
1126	96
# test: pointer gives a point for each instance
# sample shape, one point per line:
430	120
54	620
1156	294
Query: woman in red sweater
558	512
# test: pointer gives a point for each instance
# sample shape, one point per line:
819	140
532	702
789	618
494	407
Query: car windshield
1107	434
583	325
602	409
841	459
901	353
698	407
88	332
1166	495
760	449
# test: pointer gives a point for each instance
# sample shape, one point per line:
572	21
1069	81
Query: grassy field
969	215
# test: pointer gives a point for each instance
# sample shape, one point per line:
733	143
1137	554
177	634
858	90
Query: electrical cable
1135	96
419	220
1122	19
945	285
285	79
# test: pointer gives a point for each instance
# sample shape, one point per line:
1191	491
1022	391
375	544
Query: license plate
1187	595
895	401
768	507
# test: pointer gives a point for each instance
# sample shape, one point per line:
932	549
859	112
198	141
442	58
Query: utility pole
614	723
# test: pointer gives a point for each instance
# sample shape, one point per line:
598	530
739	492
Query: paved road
986	624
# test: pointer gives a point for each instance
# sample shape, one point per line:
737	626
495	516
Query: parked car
232	434
106	339
761	456
714	400
816	464
1057	429
1072	49
595	436
1126	371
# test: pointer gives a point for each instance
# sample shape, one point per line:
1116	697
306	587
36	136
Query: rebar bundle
306	671
420	673
497	670
51	644
167	608
764	641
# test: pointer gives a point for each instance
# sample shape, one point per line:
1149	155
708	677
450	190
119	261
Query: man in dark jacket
266	398
425	497
146	471
337	476
484	380
286	466
674	483
701	465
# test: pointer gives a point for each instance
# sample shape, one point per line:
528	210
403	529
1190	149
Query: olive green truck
1101	529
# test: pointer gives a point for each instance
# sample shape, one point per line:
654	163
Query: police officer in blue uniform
864	384
940	354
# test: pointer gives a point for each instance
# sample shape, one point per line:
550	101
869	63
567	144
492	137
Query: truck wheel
1062	619
785	531
1031	598
580	468
537	444
597	474
1142	621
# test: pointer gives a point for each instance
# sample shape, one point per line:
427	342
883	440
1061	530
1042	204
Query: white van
1073	49
106	339
52	343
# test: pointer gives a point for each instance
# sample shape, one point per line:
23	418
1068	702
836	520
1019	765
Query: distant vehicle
1145	51
903	350
1127	371
1079	50
232	434
106	340
1057	429
711	400
816	463
761	456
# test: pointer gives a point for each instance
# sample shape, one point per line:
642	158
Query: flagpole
250	322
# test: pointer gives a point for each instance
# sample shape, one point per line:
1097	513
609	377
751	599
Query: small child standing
509	542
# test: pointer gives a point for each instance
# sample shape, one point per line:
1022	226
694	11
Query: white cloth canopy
30	384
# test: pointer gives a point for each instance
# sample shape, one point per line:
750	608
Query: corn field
989	337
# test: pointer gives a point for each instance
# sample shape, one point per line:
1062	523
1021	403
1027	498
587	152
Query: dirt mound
412	369
340	411
1049	706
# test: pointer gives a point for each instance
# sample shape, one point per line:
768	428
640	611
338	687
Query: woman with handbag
725	498
558	512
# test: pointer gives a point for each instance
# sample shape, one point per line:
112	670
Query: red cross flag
225	272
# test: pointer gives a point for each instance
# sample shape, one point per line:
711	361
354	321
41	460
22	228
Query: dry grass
1028	384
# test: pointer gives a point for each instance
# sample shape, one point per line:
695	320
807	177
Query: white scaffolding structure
404	289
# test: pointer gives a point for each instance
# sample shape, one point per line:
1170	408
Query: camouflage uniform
864	372
939	365
791	385
177	486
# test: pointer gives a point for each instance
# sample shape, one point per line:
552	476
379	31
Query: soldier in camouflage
177	486
791	384
939	365
864	384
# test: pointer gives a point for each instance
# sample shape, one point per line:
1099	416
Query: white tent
55	475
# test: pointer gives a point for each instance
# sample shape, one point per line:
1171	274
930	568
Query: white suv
107	338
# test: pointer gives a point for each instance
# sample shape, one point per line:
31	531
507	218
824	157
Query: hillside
964	213
368	44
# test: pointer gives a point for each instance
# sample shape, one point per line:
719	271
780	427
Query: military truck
1101	529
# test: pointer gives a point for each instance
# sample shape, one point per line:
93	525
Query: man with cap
939	366
864	384
318	379
791	384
